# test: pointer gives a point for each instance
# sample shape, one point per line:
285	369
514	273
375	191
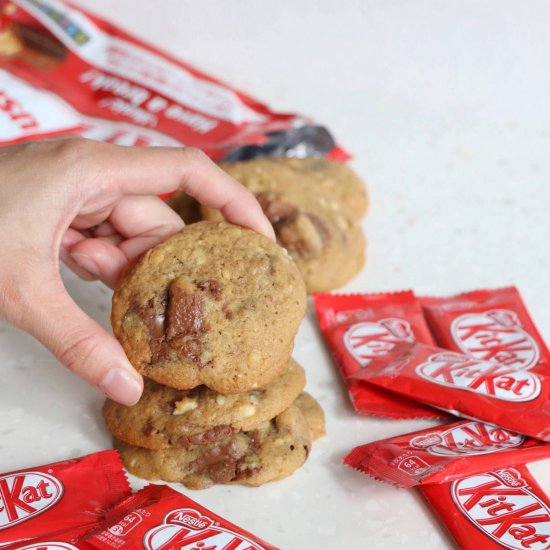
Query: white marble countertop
445	109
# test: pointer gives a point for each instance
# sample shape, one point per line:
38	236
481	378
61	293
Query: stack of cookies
209	318
314	205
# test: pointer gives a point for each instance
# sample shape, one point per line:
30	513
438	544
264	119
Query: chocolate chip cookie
215	304
321	236
165	417
271	451
337	179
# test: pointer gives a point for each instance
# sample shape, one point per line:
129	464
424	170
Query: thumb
80	343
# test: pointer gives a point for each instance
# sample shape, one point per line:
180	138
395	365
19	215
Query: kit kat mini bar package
69	495
360	328
66	71
515	399
499	509
155	518
444	453
490	325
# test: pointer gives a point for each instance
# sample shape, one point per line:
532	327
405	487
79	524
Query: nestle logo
510	478
495	335
425	441
23	496
500	505
369	340
491	379
188	518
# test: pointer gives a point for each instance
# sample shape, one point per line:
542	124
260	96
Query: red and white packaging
159	518
516	399
57	497
490	325
64	70
65	540
359	328
494	510
444	453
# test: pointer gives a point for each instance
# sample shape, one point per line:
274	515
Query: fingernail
85	262
120	386
269	231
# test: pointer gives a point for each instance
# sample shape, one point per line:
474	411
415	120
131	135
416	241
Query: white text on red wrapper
490	379
23	496
501	505
369	340
473	438
495	335
184	528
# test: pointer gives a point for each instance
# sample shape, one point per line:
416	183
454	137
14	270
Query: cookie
313	413
337	179
165	417
272	451
187	208
215	304
323	239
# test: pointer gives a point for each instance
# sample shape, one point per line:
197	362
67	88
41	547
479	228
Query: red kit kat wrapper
155	518
494	510
444	453
159	518
64	70
516	399
59	497
359	328
490	325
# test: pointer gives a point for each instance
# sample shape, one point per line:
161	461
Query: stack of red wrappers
492	369
85	504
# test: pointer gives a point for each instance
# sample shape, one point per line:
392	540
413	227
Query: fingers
70	238
157	170
136	216
137	223
98	259
78	184
217	189
79	343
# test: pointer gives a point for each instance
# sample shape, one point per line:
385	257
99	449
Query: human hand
94	206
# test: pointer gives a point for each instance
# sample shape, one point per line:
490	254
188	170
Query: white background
446	109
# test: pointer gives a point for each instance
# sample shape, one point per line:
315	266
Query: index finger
158	170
